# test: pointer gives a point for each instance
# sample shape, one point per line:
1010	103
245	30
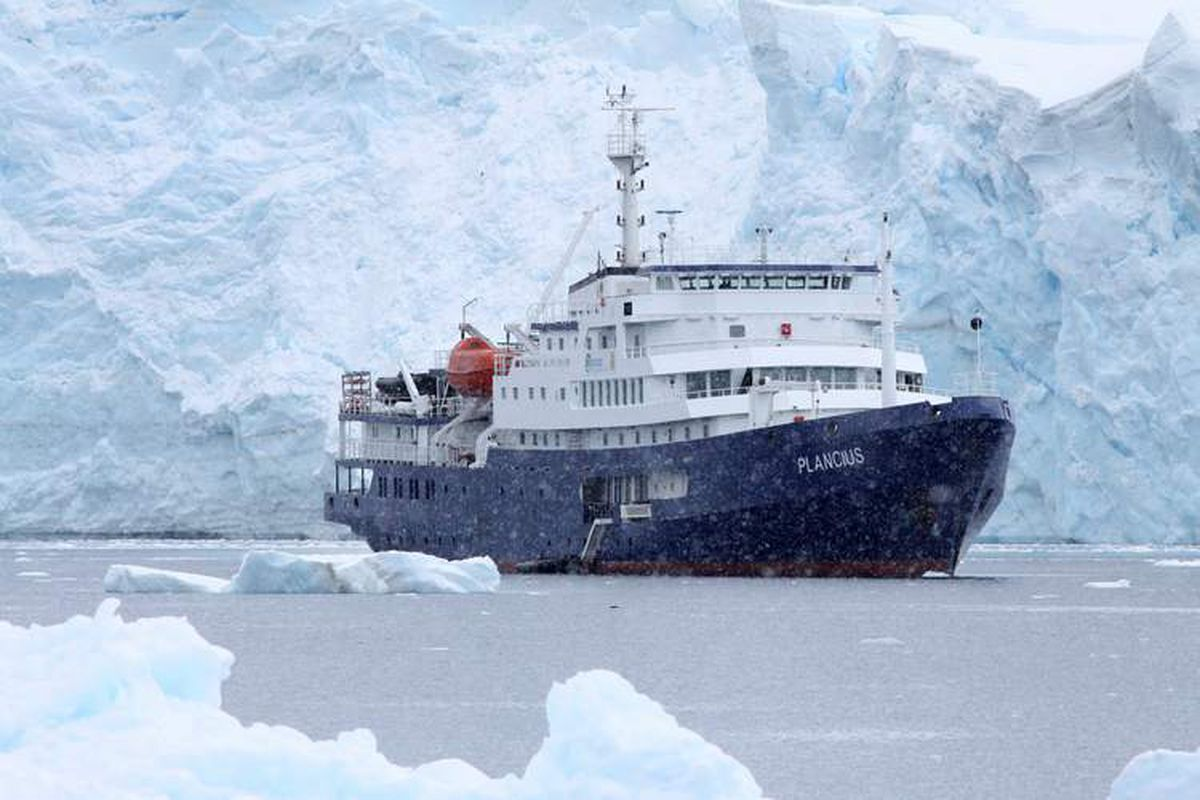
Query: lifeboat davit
471	366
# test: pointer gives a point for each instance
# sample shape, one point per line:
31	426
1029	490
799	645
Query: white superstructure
676	345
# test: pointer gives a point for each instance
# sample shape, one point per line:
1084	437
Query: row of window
652	434
613	392
751	282
532	392
718	383
416	489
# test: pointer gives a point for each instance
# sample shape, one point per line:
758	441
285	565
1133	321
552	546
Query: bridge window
752	281
728	282
822	374
835	282
664	283
818	282
697	384
705	282
773	282
795	281
719	382
845	282
737	331
687	283
845	377
543	392
530	392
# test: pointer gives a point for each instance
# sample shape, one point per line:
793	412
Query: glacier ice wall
1073	228
206	213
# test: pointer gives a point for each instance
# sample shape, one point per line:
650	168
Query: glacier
278	572
135	709
207	213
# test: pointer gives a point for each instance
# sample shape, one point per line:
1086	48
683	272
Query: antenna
762	232
669	234
627	152
887	314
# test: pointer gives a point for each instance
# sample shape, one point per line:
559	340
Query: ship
733	412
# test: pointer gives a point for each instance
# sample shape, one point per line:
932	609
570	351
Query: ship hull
892	492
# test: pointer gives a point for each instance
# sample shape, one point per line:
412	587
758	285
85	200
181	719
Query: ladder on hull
595	538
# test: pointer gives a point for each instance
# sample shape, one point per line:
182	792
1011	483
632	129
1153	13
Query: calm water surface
1016	681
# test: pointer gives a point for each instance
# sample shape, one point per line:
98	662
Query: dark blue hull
892	492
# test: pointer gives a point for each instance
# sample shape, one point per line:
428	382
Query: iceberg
1159	775
275	572
135	709
128	578
205	217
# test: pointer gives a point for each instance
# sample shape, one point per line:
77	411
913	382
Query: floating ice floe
1123	583
1159	775
33	573
100	707
274	572
1177	562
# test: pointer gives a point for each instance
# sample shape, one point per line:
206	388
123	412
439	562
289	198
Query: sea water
1039	672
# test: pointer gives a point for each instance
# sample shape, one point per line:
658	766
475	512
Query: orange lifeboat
471	367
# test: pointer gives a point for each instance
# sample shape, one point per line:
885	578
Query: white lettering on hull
831	459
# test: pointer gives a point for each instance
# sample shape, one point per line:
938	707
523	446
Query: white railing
809	386
547	312
748	254
624	144
975	383
377	405
379	450
792	341
635	352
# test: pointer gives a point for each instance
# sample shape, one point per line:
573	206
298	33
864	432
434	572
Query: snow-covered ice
134	708
33	573
1159	775
276	572
1177	562
127	578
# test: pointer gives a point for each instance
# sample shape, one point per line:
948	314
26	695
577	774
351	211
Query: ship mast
627	152
887	319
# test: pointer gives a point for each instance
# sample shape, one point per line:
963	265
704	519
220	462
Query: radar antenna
668	236
627	152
